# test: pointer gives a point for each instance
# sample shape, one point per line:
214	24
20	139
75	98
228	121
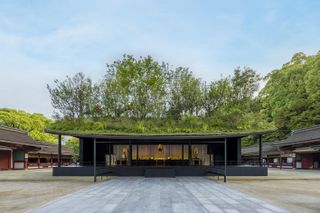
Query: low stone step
160	172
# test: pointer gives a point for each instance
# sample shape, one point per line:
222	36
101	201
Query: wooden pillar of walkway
26	164
38	160
51	160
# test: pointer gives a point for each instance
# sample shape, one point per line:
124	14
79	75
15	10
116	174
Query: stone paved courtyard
138	194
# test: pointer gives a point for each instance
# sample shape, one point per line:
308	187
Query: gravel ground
295	190
24	190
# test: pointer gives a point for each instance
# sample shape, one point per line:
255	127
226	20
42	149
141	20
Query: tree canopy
34	124
291	96
141	95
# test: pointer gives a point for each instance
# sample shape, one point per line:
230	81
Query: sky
41	41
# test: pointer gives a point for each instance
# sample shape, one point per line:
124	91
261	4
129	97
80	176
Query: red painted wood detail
5	159
307	161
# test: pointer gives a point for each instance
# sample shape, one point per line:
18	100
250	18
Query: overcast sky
45	40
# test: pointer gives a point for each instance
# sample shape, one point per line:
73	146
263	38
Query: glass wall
160	155
200	155
120	155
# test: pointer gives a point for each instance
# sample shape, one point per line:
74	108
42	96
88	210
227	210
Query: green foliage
185	95
188	124
34	124
134	88
73	143
74	97
291	97
141	95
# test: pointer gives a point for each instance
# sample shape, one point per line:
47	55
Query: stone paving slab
163	195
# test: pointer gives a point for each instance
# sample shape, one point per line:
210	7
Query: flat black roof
180	136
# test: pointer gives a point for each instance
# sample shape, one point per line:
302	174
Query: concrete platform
139	194
178	170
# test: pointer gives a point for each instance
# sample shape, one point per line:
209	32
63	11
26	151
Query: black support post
225	161
81	151
130	154
94	161
260	150
182	154
137	155
110	154
189	153
59	150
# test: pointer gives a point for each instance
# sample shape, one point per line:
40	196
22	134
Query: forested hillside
291	97
34	124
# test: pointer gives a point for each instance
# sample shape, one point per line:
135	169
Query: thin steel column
94	160
189	153
130	154
182	154
59	150
81	141
110	154
225	161
137	154
260	150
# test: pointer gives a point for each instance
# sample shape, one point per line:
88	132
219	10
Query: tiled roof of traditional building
11	136
254	149
305	135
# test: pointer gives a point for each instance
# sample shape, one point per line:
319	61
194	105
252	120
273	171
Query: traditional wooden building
14	147
20	151
271	155
304	147
158	155
300	150
48	156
